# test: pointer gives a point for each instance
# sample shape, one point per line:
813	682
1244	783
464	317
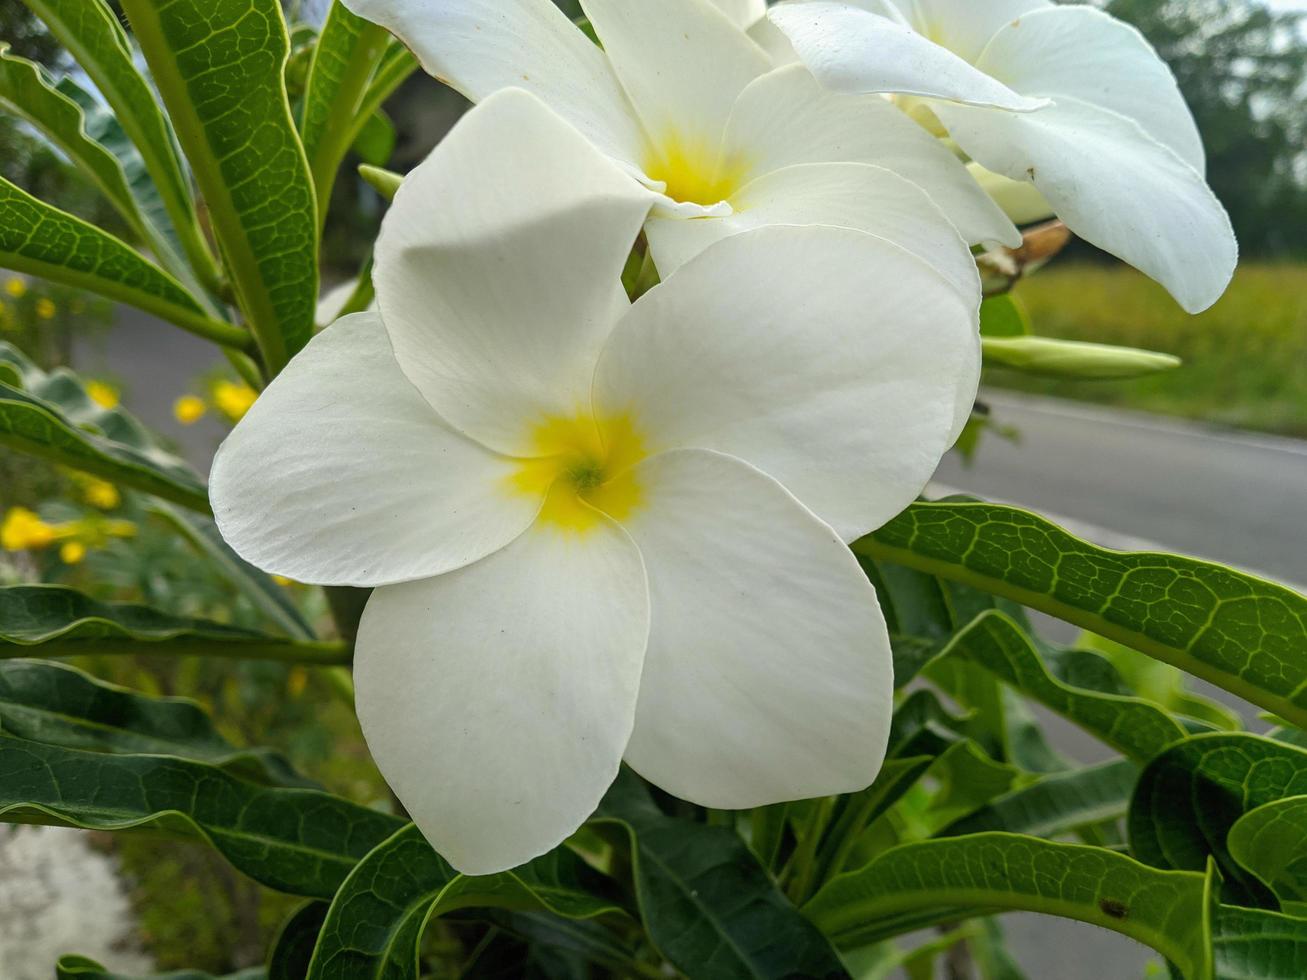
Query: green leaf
258	586
82	968
298	841
376	140
707	904
1161	683
1271	843
28	91
220	67
1251	944
377	918
1004	316
54	621
1230	628
43	241
932	881
1191	796
397	65
91	33
1057	804
1074	360
293	948
103	127
1132	726
344	61
59	705
52	416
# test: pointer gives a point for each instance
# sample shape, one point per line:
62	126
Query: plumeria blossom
1105	136
689	105
601	531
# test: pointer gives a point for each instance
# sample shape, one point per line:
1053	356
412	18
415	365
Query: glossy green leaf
344	62
376	920
52	416
92	34
43	241
60	705
259	587
219	67
1230	628
103	127
1191	796
28	91
707	904
1074	360
1251	944
82	968
933	880
1057	804
293	948
1132	726
54	621
1004	316
298	841
1271	842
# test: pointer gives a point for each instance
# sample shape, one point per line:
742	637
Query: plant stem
803	868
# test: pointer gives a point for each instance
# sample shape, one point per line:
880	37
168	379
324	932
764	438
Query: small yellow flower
233	400
104	395
297	681
72	553
188	409
45	308
100	493
23	530
16	288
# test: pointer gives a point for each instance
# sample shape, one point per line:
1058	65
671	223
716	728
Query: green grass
1245	359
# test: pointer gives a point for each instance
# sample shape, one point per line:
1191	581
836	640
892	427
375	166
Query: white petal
682	62
498	700
768	676
481	46
743	13
1019	199
828	358
1084	54
966	26
342	474
844	195
768	36
498	269
786	117
1114	186
856	51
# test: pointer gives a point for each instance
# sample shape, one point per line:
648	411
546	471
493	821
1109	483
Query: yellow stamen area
695	171
583	468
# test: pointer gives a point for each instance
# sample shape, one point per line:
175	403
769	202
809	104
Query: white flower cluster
601	531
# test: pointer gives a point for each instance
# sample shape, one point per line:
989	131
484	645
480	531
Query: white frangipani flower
600	531
685	102
1114	149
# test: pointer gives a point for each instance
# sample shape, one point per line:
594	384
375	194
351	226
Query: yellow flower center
582	466
695	171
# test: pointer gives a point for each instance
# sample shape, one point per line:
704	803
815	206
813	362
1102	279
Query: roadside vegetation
1245	359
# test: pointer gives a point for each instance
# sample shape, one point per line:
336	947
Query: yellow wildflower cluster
103	394
98	493
24	530
228	398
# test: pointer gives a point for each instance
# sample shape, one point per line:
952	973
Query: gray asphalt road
1126	481
1212	493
